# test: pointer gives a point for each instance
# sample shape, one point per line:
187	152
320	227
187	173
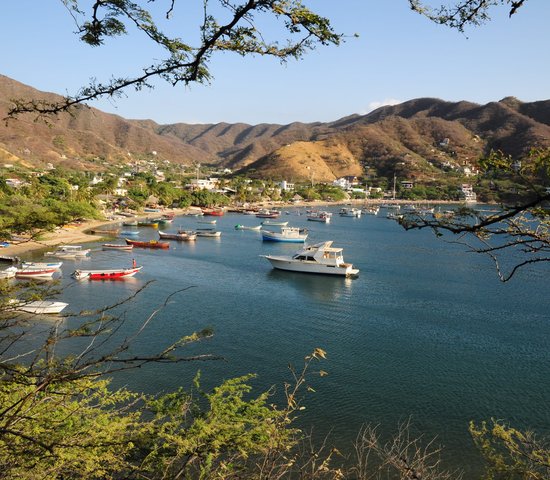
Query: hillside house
203	184
407	184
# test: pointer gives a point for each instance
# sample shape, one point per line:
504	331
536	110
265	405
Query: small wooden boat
265	213
274	224
110	233
182	236
111	274
69	251
150	244
148	223
257	228
214	212
39	306
117	246
208	232
35	272
56	265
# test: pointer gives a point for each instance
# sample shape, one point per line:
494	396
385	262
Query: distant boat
208	232
129	233
182	236
211	222
148	223
321	216
287	234
39	306
257	228
111	274
69	251
130	223
217	212
117	246
150	244
370	210
350	212
274	224
266	213
319	258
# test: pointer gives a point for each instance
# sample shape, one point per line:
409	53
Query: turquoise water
426	331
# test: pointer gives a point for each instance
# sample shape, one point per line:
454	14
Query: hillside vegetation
421	137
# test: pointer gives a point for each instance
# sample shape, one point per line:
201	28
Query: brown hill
419	137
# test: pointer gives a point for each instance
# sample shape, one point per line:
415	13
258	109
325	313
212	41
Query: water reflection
319	287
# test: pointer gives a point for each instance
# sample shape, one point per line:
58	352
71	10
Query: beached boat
287	234
69	251
130	223
107	232
39	306
319	258
150	244
8	272
182	236
117	246
321	216
350	212
257	228
106	274
208	232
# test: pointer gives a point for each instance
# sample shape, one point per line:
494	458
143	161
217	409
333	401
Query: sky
397	56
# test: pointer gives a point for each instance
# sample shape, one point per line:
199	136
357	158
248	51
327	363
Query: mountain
421	137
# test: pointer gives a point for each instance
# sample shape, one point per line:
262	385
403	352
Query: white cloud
377	104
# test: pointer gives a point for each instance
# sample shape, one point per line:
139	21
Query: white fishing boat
350	212
39	306
371	210
35	272
208	232
274	224
320	258
117	246
257	228
287	234
69	251
56	265
322	216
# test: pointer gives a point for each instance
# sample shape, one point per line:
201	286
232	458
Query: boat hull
288	264
113	246
40	307
113	274
151	244
278	237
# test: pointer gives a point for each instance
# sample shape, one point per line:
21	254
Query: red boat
149	244
213	213
113	274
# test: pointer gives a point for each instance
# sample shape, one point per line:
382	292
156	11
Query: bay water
426	332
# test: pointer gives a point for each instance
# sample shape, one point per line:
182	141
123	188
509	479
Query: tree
226	27
519	233
463	13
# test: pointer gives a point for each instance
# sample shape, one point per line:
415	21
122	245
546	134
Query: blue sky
398	56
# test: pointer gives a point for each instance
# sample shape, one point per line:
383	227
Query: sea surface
426	333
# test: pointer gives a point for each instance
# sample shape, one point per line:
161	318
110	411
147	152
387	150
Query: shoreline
77	234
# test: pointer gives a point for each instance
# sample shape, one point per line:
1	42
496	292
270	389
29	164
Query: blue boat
287	234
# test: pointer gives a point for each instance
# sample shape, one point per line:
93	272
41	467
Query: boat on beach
287	234
68	251
106	274
155	244
320	258
182	236
39	306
